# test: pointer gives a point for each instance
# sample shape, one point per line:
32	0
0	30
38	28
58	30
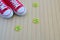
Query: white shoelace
14	2
2	5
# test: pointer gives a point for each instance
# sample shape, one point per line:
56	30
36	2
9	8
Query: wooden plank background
47	29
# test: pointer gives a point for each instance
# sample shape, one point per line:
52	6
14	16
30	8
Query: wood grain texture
47	29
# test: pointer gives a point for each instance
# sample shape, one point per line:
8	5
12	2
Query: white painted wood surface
47	29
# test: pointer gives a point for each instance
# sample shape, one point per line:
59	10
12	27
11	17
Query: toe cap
8	13
21	11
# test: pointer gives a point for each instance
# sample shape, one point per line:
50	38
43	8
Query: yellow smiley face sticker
35	4
18	28
36	20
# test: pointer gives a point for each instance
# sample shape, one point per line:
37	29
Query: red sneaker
5	11
16	6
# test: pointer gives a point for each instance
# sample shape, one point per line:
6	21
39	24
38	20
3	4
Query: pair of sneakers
8	6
